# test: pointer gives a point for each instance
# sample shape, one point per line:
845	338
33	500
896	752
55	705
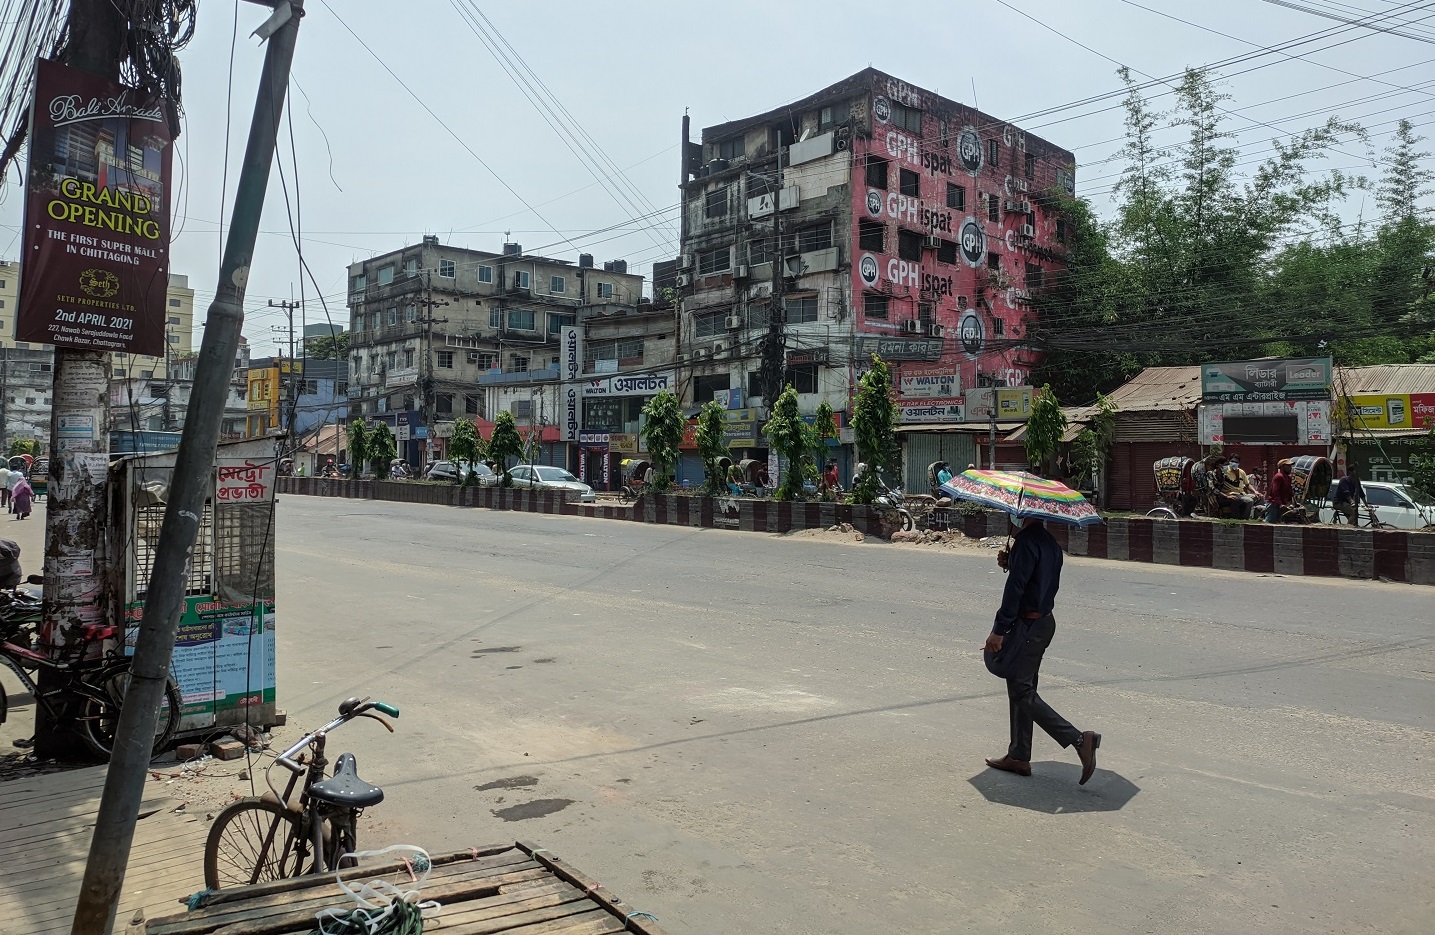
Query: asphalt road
749	733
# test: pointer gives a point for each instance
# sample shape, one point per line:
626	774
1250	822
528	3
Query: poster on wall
96	248
939	381
244	480
1389	411
223	657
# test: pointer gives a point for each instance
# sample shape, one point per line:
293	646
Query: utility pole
288	308
992	434
426	378
194	465
773	345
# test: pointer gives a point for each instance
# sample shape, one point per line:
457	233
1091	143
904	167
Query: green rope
404	919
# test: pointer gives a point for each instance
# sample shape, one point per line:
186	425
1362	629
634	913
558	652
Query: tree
382	450
712	422
1092	447
25	446
824	427
1044	428
663	431
328	347
358	447
874	423
793	440
505	445
465	446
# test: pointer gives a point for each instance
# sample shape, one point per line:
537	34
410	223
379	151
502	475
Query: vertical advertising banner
570	411
95	265
571	348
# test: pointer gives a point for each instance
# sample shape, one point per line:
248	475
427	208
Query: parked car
452	472
1394	504
546	477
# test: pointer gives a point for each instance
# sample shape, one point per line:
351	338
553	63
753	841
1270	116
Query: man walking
1033	576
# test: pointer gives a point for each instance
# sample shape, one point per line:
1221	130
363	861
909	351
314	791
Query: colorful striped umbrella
1023	495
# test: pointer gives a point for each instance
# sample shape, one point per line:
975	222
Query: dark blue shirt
1349	490
1033	575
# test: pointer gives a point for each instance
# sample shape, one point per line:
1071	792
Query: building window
876	305
174	319
386	275
715	202
994	153
175	303
557	285
947	252
374	321
146	374
956	197
517	364
731	149
486	361
808	239
556	322
393	316
408	357
341	388
411	266
1030	166
356	322
446	269
521	279
714	261
994	208
521	319
876	172
1061	230
445	360
605	290
391	359
485	274
444	404
803	378
907	118
801	310
359	283
705	387
994	262
709	324
872	236
1034	276
832	115
411	312
759	250
910	183
998	327
909	245
172	338
471	405
495	318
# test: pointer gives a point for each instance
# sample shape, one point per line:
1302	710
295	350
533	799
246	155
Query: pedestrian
22	496
1349	495
1281	492
829	476
11	480
944	474
1025	619
4	488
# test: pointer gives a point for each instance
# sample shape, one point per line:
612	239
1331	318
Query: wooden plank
604	897
554	893
452	917
593	922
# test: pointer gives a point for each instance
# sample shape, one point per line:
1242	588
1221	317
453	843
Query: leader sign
96	250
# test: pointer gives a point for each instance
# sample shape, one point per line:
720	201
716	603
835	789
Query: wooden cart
517	889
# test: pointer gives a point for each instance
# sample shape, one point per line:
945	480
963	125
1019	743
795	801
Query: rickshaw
1311	476
634	472
1176	488
753	474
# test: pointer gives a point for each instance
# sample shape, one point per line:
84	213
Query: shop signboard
1266	380
1312	420
899	348
641	384
1389	411
929	381
917	411
571	345
243	480
1013	402
623	443
96	234
570	411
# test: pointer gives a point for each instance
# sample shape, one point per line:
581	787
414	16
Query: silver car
455	471
546	477
1395	505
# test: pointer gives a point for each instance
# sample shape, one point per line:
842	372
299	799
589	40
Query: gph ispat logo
969	149
99	283
867	269
973	242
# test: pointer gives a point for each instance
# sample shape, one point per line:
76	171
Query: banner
910	412
570	411
929	382
241	480
647	384
1266	380
571	342
1389	411
899	348
1312	419
95	268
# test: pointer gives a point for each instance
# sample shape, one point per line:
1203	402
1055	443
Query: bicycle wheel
99	719
251	841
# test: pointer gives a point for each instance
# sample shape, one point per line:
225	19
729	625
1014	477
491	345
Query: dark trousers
1027	708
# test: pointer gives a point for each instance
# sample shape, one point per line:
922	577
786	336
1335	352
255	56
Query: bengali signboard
645	384
1311	418
899	348
1009	403
929	381
1389	411
96	247
242	480
571	342
1266	380
570	411
911	412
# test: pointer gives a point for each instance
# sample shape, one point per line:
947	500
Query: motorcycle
892	498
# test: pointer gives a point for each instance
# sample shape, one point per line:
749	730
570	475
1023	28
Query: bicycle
1364	518
88	692
275	837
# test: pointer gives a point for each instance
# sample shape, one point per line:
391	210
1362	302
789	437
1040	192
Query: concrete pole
194	463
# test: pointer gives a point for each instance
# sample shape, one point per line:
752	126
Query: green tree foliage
794	440
328	347
712	419
24	446
1422	466
663	430
382	449
358	437
874	424
505	446
1092	447
465	446
1044	428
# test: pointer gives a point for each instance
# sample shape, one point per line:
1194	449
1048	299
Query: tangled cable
380	908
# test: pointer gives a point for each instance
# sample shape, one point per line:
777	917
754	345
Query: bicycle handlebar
360	710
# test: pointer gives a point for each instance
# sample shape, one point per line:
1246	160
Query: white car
1395	505
546	477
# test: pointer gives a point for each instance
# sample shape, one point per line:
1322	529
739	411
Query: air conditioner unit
718	348
793	265
741	271
682	357
911	326
734	322
935	331
684	280
1027	230
685	261
702	353
931	241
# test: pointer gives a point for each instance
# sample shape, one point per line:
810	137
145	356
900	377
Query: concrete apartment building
439	332
178	333
871	216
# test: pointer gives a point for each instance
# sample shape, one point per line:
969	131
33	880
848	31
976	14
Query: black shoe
25	743
1086	749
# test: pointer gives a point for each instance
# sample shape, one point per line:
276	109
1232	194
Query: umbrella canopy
1023	495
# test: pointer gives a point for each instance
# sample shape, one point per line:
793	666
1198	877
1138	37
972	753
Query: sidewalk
30	534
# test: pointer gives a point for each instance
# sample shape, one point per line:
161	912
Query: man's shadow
1052	788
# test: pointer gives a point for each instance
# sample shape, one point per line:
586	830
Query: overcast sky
485	161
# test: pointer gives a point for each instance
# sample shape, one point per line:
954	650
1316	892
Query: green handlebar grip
387	708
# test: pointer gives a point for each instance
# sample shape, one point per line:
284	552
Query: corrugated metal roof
1160	389
1385	378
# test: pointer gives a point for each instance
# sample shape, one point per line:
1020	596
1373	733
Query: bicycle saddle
345	787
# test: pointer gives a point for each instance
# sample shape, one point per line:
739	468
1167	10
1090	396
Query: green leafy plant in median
25	446
663	431
1044	428
466	447
358	447
1092	447
793	440
382	450
874	425
823	428
711	448
504	446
